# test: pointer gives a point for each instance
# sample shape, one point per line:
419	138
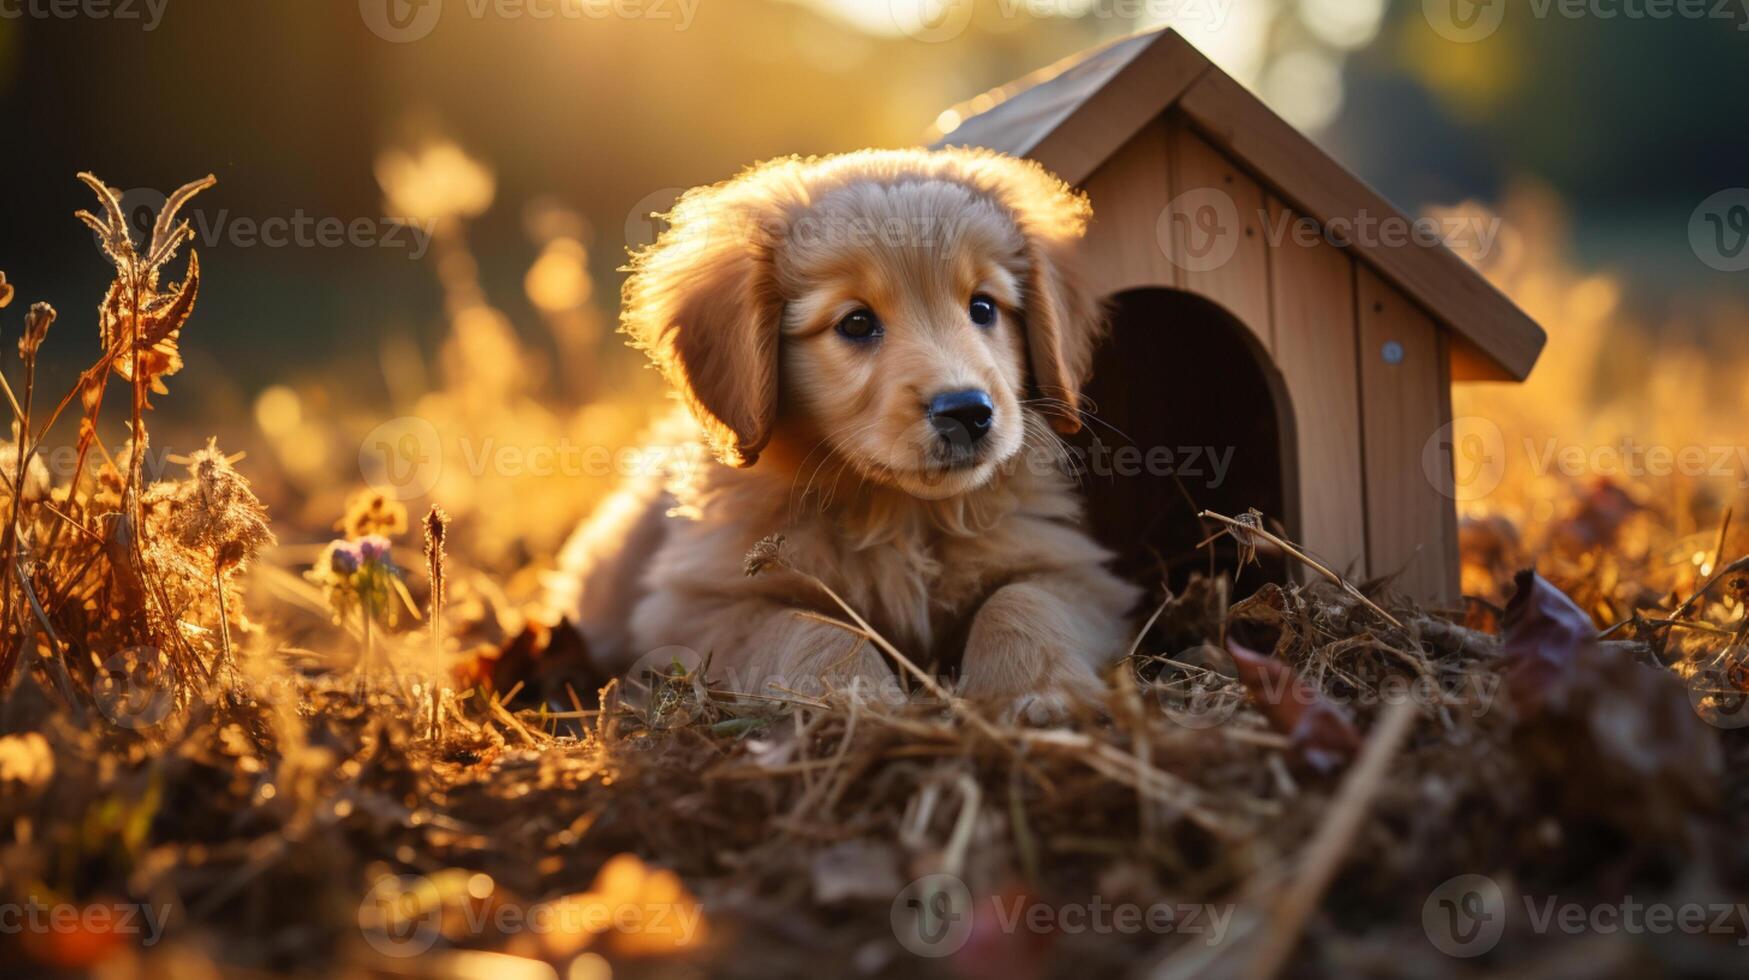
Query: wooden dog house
1327	361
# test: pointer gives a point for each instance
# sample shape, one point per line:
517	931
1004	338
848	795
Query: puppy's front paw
1021	659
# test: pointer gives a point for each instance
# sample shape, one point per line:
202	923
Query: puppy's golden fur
827	440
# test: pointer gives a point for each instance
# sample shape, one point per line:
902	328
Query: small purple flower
374	549
344	557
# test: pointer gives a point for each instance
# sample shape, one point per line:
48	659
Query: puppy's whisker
828	456
1091	417
798	503
1037	434
825	448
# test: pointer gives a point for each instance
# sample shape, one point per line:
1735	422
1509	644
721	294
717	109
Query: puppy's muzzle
961	418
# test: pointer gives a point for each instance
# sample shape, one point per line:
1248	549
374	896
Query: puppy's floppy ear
1064	318
702	303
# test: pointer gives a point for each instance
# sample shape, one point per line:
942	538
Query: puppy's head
901	307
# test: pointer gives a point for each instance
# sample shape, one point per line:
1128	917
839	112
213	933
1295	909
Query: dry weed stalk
436	530
110	572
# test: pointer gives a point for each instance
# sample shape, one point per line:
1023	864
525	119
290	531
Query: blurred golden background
528	141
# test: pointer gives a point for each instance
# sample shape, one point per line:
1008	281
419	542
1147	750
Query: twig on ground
1246	534
1330	845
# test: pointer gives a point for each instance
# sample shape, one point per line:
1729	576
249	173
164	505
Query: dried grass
161	748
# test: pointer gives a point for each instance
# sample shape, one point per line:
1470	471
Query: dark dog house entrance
1190	414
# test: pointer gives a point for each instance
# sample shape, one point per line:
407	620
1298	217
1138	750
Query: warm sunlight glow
559	280
1305	87
879	16
1343	23
434	181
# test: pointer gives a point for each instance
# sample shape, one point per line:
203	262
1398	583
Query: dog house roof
1074	115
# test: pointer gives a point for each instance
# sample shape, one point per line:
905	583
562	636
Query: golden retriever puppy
876	348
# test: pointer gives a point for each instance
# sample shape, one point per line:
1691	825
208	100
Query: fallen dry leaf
1545	634
1323	739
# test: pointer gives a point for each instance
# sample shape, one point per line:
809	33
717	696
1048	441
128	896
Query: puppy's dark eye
860	325
983	310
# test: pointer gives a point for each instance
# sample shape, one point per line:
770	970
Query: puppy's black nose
961	417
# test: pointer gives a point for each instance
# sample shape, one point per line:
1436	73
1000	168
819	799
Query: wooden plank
1216	231
1312	287
1431	275
1471	363
1452	591
1017	116
1073	118
1405	401
1137	95
1124	249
